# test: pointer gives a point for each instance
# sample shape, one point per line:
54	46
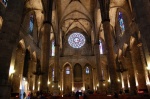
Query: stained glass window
121	22
5	2
76	40
31	24
53	48
100	47
87	70
67	70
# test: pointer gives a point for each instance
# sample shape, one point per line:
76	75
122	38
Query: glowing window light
53	48
76	40
67	70
31	25
121	23
87	70
100	47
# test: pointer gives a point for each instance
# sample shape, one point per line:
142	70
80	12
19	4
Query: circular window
76	40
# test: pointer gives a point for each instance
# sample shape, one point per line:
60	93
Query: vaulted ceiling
82	14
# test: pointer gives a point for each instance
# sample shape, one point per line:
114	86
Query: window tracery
76	40
121	23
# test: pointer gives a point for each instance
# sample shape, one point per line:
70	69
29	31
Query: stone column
131	72
56	71
35	86
45	55
125	74
72	79
93	76
138	66
30	80
62	88
110	57
8	38
125	82
104	8
83	79
142	17
143	66
98	66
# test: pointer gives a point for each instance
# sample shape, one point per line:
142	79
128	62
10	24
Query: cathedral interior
62	46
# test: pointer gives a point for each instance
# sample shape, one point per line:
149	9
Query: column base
5	91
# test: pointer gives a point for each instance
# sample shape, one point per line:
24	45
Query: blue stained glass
31	24
76	40
87	70
121	22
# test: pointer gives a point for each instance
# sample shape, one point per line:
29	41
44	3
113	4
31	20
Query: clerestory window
121	23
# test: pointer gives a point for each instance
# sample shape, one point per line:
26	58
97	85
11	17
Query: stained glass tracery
121	22
76	40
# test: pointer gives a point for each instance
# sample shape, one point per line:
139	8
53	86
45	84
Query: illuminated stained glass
100	47
87	70
67	70
5	2
53	48
121	22
76	40
31	24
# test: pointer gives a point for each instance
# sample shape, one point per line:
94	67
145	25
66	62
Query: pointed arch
77	72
